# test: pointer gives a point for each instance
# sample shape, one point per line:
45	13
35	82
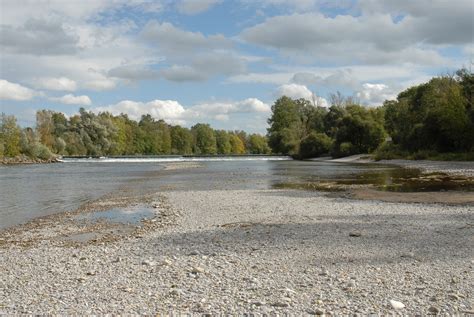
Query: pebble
396	304
434	310
355	234
197	269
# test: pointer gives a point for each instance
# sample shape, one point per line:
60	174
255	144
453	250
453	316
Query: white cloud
294	91
346	38
133	72
192	7
277	78
56	83
173	112
100	84
204	66
223	109
70	99
38	37
12	91
375	94
168	110
170	39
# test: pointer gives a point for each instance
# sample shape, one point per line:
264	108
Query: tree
258	144
10	135
223	142
314	145
204	139
181	140
286	126
359	128
237	146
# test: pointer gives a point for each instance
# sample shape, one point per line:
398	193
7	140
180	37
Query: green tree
314	145
204	139
258	144
10	135
237	145
223	142
181	140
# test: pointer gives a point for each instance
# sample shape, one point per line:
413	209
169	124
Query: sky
222	62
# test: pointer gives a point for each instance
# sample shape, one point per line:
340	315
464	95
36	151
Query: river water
30	191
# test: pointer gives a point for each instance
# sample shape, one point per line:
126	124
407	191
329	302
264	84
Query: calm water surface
31	191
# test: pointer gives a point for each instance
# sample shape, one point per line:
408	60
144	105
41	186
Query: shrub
314	145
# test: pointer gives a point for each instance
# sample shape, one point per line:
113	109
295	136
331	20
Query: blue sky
221	62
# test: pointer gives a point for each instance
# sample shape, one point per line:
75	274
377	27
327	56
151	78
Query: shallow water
133	215
30	191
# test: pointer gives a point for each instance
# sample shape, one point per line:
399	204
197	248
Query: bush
314	145
38	150
389	151
344	149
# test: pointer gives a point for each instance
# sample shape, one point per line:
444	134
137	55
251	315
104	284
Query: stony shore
23	159
246	251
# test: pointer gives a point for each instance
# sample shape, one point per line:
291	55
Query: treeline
93	134
425	120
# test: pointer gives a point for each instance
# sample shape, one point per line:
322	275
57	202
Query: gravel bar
264	252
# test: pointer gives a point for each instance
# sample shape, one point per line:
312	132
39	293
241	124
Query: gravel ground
255	251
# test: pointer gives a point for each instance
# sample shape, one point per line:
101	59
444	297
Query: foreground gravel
258	251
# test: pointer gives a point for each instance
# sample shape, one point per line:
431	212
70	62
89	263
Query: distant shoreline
25	160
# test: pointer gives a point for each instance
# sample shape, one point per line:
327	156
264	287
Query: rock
258	303
408	255
280	304
197	269
453	297
194	252
434	310
176	292
148	263
317	311
355	234
324	273
396	304
166	262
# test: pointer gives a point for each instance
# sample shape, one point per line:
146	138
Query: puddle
133	215
82	237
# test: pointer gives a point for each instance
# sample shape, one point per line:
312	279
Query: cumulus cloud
375	94
133	72
181	73
222	110
168	110
364	37
100	84
192	7
171	39
56	83
204	66
38	37
12	91
70	99
296	91
173	112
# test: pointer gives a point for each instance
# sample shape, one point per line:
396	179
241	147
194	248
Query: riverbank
23	159
461	168
238	251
